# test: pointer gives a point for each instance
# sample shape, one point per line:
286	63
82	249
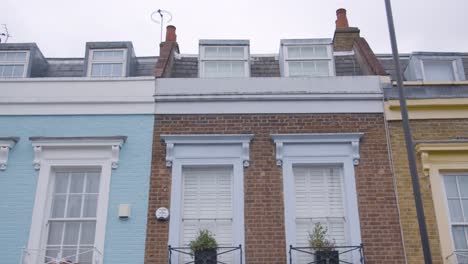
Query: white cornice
208	139
112	142
6	143
317	138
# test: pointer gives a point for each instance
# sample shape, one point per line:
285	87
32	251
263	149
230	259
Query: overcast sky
62	27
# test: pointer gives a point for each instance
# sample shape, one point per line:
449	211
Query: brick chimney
345	35
167	49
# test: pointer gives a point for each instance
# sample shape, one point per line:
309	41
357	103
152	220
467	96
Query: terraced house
436	89
259	148
75	154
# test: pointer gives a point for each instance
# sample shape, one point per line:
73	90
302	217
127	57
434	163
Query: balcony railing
88	256
311	255
182	252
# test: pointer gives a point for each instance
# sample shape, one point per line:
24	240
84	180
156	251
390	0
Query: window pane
237	69
92	182
321	51
51	254
58	206
90	205
308	68
74	206
69	253
459	237
13	56
116	70
307	52
106	70
7	71
455	210
294	52
108	55
96	69
18	71
463	182
55	233
88	230
465	208
61	182
438	71
451	186
237	52
322	68
224	52
295	69
72	230
85	256
77	181
211	52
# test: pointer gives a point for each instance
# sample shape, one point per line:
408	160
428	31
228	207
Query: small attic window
107	63
434	67
13	64
313	59
218	60
439	70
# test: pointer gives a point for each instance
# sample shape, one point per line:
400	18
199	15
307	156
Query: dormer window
224	58
309	58
435	67
13	64
107	63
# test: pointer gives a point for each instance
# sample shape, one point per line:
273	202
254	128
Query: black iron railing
345	254
220	251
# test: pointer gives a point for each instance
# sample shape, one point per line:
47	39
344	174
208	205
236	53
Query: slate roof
387	62
262	66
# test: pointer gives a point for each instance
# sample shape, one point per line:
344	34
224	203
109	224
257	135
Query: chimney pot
171	33
341	19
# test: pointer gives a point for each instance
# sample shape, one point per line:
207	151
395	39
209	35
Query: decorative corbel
279	154
425	163
37	157
245	154
5	145
115	156
169	154
355	149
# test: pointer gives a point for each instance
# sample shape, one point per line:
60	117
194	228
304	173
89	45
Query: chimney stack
341	19
344	37
170	33
167	49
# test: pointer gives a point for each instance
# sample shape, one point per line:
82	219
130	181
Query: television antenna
160	19
5	34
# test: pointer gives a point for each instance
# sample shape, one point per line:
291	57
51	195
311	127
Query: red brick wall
264	216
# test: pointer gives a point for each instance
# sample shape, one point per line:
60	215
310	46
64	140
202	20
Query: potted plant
204	248
325	251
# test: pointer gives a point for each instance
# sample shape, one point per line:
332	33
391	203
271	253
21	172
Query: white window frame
456	73
70	153
91	61
202	59
338	150
207	150
329	58
25	63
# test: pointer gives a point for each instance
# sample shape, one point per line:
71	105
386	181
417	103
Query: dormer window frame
416	69
245	59
92	61
24	63
453	61
287	59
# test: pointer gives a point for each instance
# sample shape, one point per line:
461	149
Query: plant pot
207	256
327	257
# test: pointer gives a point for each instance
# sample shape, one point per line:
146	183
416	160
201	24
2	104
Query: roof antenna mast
5	34
160	19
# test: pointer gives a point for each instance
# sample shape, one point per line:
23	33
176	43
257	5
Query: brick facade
264	215
422	130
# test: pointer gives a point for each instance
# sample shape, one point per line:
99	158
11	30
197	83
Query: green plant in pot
203	248
325	249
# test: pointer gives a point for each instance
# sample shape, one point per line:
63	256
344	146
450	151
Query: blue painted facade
125	240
